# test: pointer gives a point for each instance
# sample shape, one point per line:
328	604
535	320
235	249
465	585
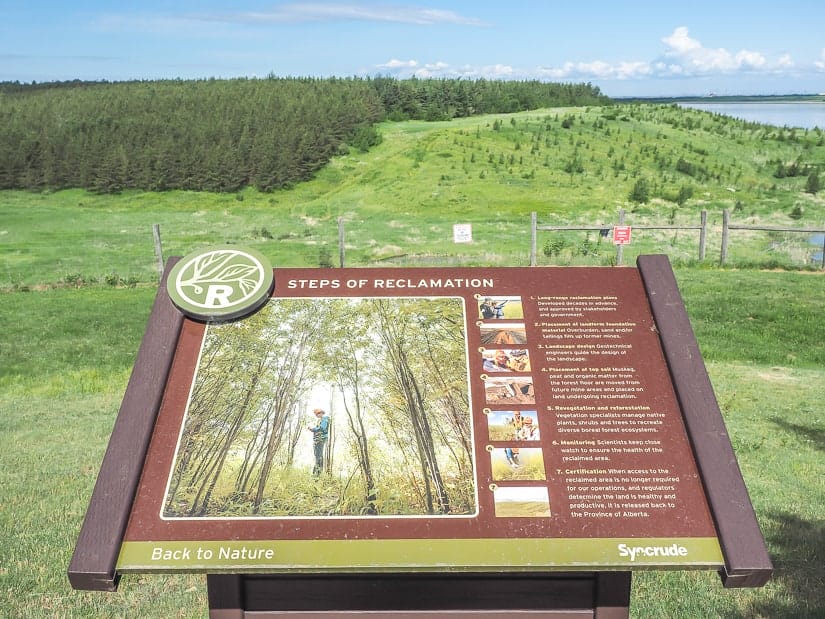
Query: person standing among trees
320	434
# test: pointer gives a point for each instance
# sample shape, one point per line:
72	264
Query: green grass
777	428
64	367
776	317
83	349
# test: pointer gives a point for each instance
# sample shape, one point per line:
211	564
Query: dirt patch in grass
778	374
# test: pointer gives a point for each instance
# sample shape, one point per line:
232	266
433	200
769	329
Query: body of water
819	241
804	115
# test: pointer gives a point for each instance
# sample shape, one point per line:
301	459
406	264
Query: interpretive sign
414	420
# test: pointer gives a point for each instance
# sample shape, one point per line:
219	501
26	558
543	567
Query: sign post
486	430
621	236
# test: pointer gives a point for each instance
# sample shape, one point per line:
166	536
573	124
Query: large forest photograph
329	407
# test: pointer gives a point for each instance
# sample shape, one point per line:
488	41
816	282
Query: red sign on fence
621	235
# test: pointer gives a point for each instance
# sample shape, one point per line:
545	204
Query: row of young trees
224	135
401	439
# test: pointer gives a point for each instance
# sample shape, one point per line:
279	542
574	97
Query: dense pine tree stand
224	135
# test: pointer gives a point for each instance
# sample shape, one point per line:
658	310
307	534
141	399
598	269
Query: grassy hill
400	199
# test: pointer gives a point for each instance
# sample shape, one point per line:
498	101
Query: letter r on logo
217	295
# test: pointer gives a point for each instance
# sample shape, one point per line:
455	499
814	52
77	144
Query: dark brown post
98	545
747	563
600	595
225	594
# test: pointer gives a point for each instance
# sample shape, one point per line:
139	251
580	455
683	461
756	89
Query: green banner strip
420	554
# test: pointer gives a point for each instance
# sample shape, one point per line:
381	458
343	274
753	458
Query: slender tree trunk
416	409
294	434
356	424
200	505
251	457
290	373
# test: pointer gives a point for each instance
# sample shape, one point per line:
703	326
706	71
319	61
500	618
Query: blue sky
631	48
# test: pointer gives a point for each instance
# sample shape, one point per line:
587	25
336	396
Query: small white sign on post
462	233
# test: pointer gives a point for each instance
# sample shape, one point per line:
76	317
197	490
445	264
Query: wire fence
608	244
782	240
757	244
121	253
621	234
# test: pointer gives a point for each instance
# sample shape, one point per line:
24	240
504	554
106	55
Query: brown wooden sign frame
746	561
93	564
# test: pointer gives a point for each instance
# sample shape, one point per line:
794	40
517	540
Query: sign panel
621	235
462	233
423	419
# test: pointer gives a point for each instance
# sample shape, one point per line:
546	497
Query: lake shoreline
790	111
794	98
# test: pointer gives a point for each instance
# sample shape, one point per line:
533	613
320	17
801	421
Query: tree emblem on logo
220	283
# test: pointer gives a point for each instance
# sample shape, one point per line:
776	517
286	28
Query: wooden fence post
822	263
703	234
725	222
620	247
158	247
341	241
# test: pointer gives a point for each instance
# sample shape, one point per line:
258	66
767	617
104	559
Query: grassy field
399	201
78	275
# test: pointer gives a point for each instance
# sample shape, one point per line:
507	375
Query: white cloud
786	62
597	69
680	42
820	64
394	65
193	23
683	57
696	59
439	69
631	70
435	69
498	70
322	11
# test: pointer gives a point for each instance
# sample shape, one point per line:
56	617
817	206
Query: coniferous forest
224	135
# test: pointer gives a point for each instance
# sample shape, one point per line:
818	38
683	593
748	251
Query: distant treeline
224	135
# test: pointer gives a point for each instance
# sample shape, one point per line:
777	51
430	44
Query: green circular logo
220	283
